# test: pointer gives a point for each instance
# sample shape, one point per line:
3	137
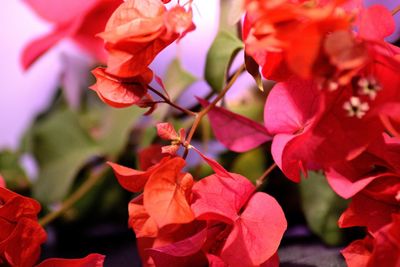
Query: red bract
140	220
374	205
375	23
134	180
120	93
380	158
74	19
21	235
383	249
92	260
167	132
167	192
236	132
314	128
290	110
257	221
138	30
276	30
150	156
243	228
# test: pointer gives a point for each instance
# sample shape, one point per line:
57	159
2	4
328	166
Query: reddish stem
204	112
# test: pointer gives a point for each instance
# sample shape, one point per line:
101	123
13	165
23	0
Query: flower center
356	108
368	86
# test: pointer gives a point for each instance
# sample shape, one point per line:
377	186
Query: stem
74	197
204	112
264	176
172	104
395	10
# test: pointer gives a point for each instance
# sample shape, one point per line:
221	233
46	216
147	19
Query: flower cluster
333	106
219	220
21	234
135	33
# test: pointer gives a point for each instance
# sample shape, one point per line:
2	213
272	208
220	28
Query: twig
395	10
172	104
204	112
264	176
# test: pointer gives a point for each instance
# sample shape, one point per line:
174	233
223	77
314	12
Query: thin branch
260	181
172	104
204	112
395	10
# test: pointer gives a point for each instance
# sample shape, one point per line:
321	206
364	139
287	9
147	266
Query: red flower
243	228
20	235
138	30
121	93
315	128
374	206
289	34
74	19
379	160
381	250
91	260
166	193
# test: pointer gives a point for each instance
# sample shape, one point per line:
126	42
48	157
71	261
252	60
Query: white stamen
369	87
355	107
398	196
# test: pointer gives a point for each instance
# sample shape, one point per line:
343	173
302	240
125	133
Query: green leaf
250	164
322	208
219	58
12	172
116	126
62	147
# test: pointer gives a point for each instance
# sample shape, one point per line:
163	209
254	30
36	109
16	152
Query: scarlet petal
220	198
376	23
133	19
166	131
22	248
345	187
257	234
358	253
60	11
165	194
127	59
302	62
130	179
150	156
290	106
365	211
118	93
182	253
226	125
140	220
217	168
92	260
15	206
38	47
178	20
271	262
